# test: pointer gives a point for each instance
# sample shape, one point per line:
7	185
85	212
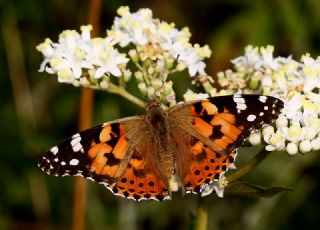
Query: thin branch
202	214
243	170
122	92
85	118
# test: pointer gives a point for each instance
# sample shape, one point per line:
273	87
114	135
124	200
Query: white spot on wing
241	106
54	150
76	136
265	108
63	163
75	143
263	99
74	162
77	147
251	117
261	114
239	100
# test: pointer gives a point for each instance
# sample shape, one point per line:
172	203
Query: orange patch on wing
98	162
197	147
138	164
105	134
109	170
202	127
228	129
210	108
227	117
121	148
121	127
223	142
98	148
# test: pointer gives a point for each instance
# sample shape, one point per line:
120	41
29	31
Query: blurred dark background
37	112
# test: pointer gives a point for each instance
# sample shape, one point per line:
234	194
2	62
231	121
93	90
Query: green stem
243	170
122	92
202	214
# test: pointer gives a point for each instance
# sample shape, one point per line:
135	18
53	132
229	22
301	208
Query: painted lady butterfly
146	157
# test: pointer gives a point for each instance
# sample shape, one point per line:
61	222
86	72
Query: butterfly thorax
157	118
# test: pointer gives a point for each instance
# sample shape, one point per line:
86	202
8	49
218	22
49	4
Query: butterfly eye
148	117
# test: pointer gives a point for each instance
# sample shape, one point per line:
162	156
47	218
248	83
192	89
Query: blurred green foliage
37	112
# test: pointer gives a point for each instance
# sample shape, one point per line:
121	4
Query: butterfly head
155	114
152	104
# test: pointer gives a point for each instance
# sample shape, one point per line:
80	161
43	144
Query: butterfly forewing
100	153
224	122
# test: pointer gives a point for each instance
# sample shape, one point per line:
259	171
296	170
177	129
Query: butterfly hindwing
197	164
141	179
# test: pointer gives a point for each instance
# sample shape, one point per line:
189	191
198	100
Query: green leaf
246	189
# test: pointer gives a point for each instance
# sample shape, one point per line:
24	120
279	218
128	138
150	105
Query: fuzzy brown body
157	119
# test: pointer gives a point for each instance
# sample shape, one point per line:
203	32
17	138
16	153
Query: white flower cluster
158	40
81	60
297	83
156	48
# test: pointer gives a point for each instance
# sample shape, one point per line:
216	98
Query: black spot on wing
216	132
113	140
115	128
224	102
111	160
138	172
201	156
136	155
90	135
198	107
206	117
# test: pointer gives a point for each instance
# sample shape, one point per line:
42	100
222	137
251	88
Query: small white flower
267	132
191	96
315	143
250	59
218	186
86	36
282	121
292	148
267	59
108	63
255	138
305	146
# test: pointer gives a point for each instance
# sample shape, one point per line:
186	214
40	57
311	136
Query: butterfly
184	147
